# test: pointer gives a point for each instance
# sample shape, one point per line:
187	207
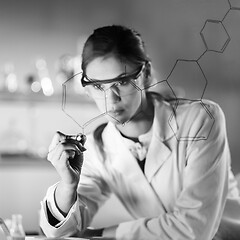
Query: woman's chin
117	119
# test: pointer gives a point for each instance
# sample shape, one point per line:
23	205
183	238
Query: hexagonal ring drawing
215	36
234	4
75	116
193	134
187	80
71	112
137	91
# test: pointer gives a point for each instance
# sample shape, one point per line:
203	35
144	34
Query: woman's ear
148	67
147	75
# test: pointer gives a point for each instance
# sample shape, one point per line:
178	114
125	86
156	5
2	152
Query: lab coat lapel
148	203
120	156
158	153
163	130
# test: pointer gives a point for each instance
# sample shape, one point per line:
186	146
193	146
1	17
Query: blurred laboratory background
195	42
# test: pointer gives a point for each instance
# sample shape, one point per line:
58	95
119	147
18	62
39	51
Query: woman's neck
140	124
134	129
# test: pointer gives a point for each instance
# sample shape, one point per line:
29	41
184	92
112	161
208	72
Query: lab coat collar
164	124
123	170
164	128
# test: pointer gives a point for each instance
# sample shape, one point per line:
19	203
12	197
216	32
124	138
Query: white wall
22	186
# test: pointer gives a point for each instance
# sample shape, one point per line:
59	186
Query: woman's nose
112	94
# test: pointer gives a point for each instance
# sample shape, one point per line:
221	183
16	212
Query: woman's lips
116	112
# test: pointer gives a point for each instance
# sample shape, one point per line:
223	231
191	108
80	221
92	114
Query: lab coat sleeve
199	206
65	226
91	194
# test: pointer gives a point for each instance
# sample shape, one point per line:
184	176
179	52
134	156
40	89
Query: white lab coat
186	185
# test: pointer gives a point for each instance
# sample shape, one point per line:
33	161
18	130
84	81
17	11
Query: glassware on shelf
45	80
16	231
4	231
33	84
69	67
10	78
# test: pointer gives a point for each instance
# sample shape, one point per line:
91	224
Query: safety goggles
122	80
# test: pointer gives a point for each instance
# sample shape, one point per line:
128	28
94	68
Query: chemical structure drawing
215	37
72	113
213	28
102	93
186	81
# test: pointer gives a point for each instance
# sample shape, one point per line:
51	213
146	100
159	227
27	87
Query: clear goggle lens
121	86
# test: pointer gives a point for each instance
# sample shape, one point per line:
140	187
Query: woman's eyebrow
122	74
118	76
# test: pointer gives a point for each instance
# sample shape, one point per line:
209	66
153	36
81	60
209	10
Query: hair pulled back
123	42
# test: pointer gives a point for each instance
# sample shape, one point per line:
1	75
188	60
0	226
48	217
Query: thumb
58	137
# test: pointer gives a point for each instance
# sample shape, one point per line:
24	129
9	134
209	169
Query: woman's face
120	100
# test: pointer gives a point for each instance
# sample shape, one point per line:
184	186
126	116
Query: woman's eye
122	83
98	86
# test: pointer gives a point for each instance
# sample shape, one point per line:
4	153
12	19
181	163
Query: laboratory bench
23	184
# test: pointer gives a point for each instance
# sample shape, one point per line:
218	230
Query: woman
172	189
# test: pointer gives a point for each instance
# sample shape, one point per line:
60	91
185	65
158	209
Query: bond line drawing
185	73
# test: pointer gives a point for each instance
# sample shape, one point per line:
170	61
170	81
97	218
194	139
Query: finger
54	154
61	163
71	146
75	162
80	146
59	158
65	146
68	162
80	137
75	142
58	137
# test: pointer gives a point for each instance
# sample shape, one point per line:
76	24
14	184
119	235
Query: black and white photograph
119	119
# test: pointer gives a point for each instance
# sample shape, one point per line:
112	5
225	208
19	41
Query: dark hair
121	41
124	42
97	135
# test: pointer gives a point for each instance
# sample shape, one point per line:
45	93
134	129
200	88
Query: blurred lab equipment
45	80
10	78
16	231
69	67
4	231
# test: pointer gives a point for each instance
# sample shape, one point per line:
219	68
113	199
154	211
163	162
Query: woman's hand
66	155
